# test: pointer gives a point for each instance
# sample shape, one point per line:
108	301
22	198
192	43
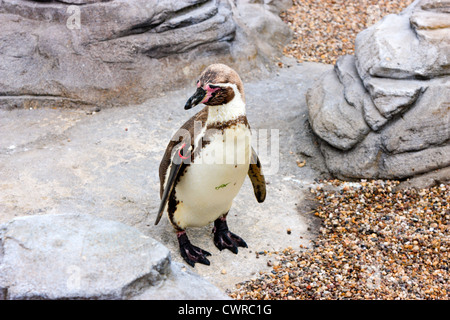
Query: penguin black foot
191	254
224	238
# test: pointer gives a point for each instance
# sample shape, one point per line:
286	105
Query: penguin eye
214	87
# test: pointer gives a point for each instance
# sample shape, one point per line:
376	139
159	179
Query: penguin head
217	85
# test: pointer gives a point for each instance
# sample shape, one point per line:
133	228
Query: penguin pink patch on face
209	92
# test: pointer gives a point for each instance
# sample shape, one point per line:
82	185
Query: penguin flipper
257	178
184	136
175	169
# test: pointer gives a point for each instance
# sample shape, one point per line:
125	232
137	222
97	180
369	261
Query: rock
260	26
430	21
425	125
74	256
368	159
399	84
111	53
362	161
373	117
392	96
331	116
356	94
354	90
393	49
182	284
399	166
427	180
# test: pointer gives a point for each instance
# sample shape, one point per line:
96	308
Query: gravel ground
375	242
324	30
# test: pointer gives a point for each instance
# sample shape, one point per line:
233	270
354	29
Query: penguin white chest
209	185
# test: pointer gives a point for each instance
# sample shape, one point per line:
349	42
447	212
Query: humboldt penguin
206	162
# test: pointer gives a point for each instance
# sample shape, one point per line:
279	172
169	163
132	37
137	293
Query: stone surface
354	90
332	117
362	161
356	94
430	21
425	125
392	96
76	256
394	47
182	283
398	84
414	163
105	163
435	177
112	53
373	117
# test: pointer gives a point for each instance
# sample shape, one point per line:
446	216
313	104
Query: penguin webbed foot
190	253
225	239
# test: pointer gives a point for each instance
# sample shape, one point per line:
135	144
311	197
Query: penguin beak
196	98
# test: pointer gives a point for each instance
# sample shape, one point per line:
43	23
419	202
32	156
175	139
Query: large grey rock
394	47
399	86
435	177
75	256
354	90
425	125
373	117
260	21
392	96
182	284
110	53
430	21
332	118
356	94
362	161
409	164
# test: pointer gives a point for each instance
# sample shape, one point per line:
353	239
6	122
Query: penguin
206	162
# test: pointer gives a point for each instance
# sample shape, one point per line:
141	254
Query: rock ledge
75	256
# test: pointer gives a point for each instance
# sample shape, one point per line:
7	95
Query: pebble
369	249
324	30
